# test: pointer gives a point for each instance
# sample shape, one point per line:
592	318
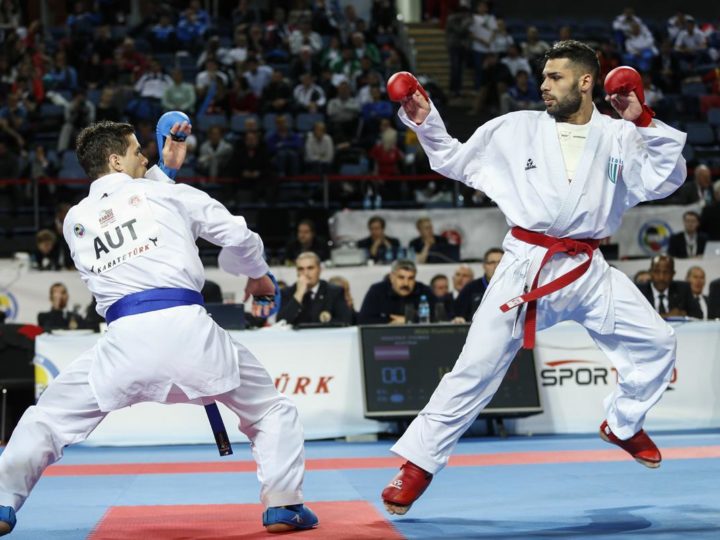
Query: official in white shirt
133	241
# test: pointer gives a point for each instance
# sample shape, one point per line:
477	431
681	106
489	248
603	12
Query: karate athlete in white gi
563	178
133	241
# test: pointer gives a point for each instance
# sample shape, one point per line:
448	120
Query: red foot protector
341	520
405	488
402	85
640	446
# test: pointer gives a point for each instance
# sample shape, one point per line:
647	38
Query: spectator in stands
380	247
62	76
343	111
483	26
514	62
710	216
212	49
696	278
242	99
304	62
245	14
59	317
457	37
277	95
215	154
372	79
608	57
534	48
653	95
395	299
714	300
194	22
304	35
251	163
308	96
440	286
179	95
565	33
349	23
365	50
285	147
471	294
162	36
639	47
372	113
79	113
153	83
41	165
311	299
691	43
238	53
668	297
523	95
107	108
129	62
462	276
423	245
257	76
501	39
665	69
46	255
496	79
698	191
319	150
386	155
306	239
256	42
345	285
15	114
691	242
642	277
64	258
676	24
621	24
208	76
348	66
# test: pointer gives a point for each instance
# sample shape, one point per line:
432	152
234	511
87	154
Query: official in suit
472	294
669	298
59	317
444	310
697	191
312	300
691	242
696	278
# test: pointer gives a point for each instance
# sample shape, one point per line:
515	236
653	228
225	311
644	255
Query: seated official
440	285
668	297
691	241
472	294
59	317
714	300
380	247
312	300
306	239
423	245
395	300
344	284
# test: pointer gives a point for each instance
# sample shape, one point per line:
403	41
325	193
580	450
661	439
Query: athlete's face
561	88
133	162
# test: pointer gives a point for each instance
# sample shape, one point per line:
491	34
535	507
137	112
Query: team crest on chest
614	169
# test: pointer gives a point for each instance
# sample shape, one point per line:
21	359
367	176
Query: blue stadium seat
237	121
693	89
268	122
699	133
69	158
48	110
688	153
304	122
713	117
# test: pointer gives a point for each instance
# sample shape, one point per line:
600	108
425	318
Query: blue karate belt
157	299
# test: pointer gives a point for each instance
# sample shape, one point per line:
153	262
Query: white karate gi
172	355
517	161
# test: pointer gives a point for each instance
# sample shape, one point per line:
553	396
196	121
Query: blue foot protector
295	515
7	519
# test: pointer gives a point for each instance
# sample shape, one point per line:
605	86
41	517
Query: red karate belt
554	245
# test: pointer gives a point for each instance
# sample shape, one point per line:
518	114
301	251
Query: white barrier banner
574	377
645	230
318	369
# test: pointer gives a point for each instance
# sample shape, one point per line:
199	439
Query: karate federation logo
8	305
614	169
654	236
79	230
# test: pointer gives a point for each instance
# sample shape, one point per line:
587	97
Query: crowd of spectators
299	89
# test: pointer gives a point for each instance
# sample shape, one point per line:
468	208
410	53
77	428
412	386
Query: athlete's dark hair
97	142
578	53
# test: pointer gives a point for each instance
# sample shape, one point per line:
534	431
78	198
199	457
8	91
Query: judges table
320	370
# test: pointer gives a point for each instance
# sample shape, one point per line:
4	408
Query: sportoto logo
654	236
8	305
574	372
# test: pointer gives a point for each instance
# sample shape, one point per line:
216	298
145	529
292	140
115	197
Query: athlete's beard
567	107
